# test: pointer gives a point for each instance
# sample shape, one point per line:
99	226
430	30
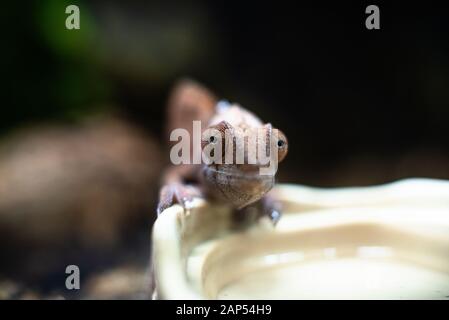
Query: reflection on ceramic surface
389	242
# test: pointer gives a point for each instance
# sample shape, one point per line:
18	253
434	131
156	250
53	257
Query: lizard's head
238	160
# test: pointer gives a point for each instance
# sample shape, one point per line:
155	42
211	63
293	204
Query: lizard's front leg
271	208
267	207
177	192
180	186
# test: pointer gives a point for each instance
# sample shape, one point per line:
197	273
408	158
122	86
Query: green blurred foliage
76	44
52	72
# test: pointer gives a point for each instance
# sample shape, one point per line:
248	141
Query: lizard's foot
177	193
271	209
267	207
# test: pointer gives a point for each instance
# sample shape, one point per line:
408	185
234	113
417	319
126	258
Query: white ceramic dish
382	242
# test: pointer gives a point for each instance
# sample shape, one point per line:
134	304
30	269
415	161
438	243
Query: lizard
239	185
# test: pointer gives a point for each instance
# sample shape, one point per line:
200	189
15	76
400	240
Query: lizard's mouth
248	171
235	185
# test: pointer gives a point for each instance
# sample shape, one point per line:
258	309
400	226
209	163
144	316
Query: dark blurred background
82	142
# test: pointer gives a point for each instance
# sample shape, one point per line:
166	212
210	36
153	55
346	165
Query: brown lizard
238	185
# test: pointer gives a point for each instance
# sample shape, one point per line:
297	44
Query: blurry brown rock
67	187
8	289
124	282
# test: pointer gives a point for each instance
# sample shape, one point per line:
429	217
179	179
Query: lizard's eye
211	138
282	145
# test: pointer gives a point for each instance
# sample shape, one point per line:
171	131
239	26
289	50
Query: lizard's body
238	185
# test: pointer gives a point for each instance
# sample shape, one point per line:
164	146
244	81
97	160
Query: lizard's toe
177	193
274	216
165	199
